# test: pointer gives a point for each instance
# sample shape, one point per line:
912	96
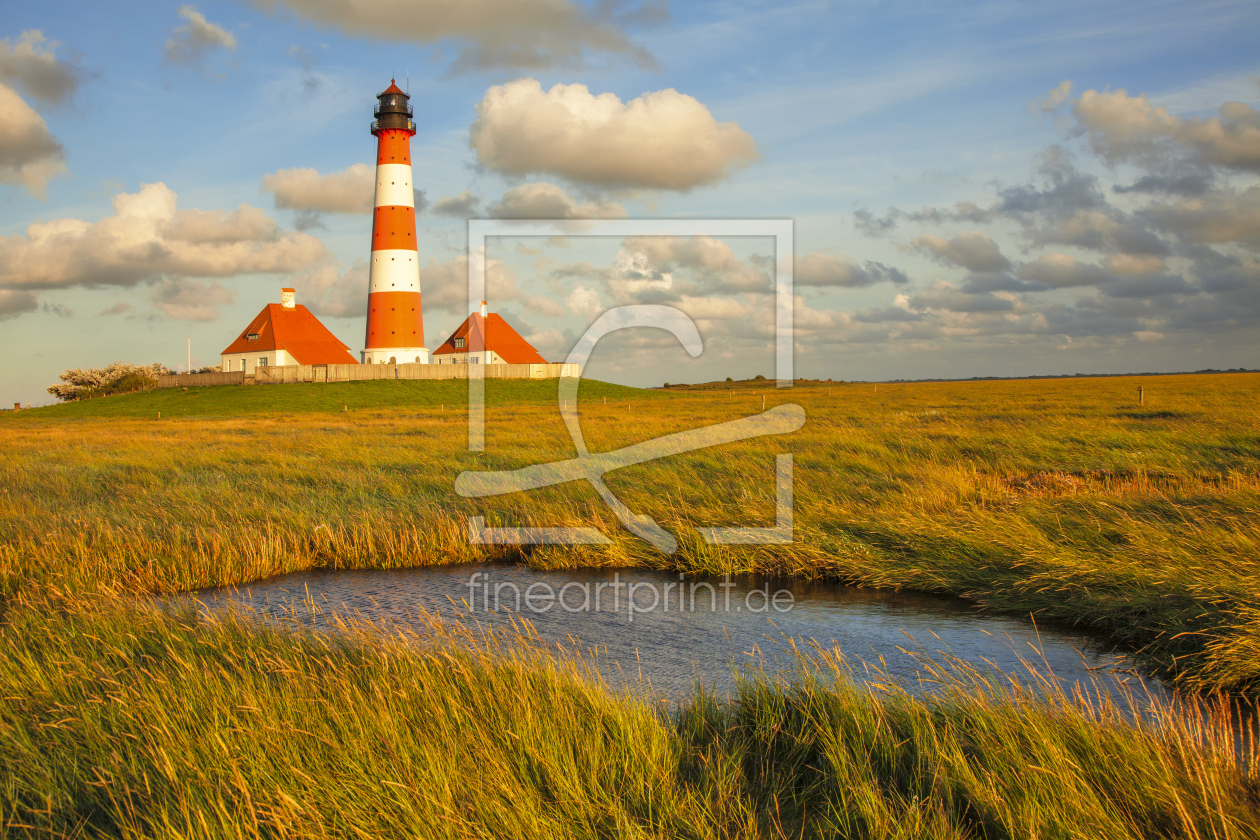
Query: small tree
118	378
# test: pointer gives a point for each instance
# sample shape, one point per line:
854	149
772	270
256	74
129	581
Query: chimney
288	298
483	309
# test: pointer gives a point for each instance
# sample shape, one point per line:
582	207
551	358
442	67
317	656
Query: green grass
235	400
120	722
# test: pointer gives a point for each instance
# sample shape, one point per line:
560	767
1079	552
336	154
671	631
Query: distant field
1062	498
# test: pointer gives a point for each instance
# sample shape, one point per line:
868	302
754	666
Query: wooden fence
292	374
187	380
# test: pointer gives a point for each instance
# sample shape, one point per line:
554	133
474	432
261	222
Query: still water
664	633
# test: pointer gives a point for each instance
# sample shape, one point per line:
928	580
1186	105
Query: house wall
399	355
275	358
488	357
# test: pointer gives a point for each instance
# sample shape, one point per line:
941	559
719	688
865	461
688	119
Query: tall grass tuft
121	721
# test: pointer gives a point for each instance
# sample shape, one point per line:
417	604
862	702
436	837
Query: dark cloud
868	223
30	64
1064	189
1147	286
29	154
1062	272
191	42
462	206
975	251
1188	184
998	281
822	269
492	34
14	303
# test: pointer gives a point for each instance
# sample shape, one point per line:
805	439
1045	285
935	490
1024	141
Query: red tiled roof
295	331
492	333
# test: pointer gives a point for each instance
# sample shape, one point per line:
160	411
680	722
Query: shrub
118	378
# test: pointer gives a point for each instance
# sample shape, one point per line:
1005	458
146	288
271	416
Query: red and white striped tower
395	321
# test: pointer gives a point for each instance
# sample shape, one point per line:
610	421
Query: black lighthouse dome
393	110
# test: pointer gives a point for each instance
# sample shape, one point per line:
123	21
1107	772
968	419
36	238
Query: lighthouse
395	322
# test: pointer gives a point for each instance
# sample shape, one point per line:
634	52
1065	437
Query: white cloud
944	296
662	140
1123	128
29	63
584	302
1056	97
1132	264
551	339
190	43
117	309
29	154
541	200
714	308
527	34
1220	217
444	285
191	300
147	238
327	291
303	189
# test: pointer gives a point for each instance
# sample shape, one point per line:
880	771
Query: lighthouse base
394	356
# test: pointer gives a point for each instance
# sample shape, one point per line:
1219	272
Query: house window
252	337
474	361
262	362
459	343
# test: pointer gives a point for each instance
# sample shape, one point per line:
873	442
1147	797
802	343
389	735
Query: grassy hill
235	400
1066	499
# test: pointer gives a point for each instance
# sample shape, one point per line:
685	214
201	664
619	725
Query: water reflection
700	629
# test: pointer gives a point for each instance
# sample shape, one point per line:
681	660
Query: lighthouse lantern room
395	320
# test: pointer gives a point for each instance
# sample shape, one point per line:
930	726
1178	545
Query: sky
977	188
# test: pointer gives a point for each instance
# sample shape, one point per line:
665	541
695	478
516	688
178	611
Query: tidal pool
665	633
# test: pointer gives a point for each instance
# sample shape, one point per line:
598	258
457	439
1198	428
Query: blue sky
978	188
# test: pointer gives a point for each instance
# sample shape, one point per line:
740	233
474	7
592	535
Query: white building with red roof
285	333
486	339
